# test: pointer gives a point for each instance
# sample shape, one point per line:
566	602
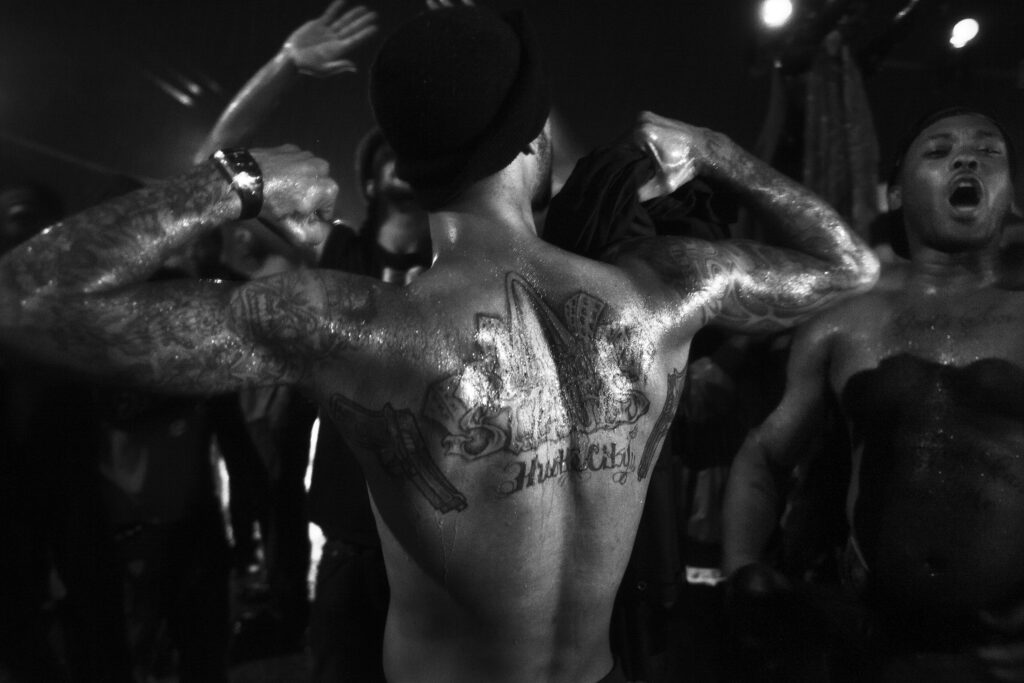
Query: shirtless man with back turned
928	371
506	405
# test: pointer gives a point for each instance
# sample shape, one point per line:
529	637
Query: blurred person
508	404
161	510
168	532
393	243
278	419
30	592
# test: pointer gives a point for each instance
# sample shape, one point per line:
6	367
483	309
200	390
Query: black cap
458	93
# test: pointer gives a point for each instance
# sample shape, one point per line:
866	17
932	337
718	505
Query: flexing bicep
741	285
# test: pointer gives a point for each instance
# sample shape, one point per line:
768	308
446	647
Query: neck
487	217
944	270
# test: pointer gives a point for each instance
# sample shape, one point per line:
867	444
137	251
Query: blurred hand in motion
321	46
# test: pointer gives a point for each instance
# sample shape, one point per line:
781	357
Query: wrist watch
241	170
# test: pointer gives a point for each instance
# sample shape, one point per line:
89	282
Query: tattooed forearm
168	336
802	220
121	241
742	284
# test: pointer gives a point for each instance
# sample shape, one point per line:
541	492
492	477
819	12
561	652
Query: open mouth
965	194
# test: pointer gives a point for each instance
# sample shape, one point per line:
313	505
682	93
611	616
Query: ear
895	197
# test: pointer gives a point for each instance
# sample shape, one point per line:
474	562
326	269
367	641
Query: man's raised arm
74	294
744	285
320	47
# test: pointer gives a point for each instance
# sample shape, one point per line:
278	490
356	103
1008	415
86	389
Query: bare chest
946	331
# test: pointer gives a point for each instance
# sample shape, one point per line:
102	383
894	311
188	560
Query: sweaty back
508	431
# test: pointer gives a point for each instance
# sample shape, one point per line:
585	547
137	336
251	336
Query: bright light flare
964	32
775	13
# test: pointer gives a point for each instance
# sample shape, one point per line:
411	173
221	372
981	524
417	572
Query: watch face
245	176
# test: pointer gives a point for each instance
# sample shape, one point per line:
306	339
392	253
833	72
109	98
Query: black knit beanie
458	93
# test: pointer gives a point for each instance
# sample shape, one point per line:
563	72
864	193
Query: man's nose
965	160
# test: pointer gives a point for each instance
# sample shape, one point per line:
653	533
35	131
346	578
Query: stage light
775	13
964	32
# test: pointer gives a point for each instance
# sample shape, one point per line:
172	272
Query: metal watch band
245	176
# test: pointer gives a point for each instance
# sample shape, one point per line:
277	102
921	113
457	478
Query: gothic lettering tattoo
676	380
538	378
593	458
395	437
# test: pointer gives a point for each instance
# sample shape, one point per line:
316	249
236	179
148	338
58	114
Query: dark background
80	94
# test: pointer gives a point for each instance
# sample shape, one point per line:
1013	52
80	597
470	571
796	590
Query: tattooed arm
75	294
740	284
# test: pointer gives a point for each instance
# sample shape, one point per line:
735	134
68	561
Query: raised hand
298	193
320	46
677	148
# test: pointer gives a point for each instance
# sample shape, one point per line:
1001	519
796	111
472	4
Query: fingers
353	20
438	4
341	66
332	11
354	35
654	119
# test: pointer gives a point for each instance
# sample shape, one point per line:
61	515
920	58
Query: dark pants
176	596
346	625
